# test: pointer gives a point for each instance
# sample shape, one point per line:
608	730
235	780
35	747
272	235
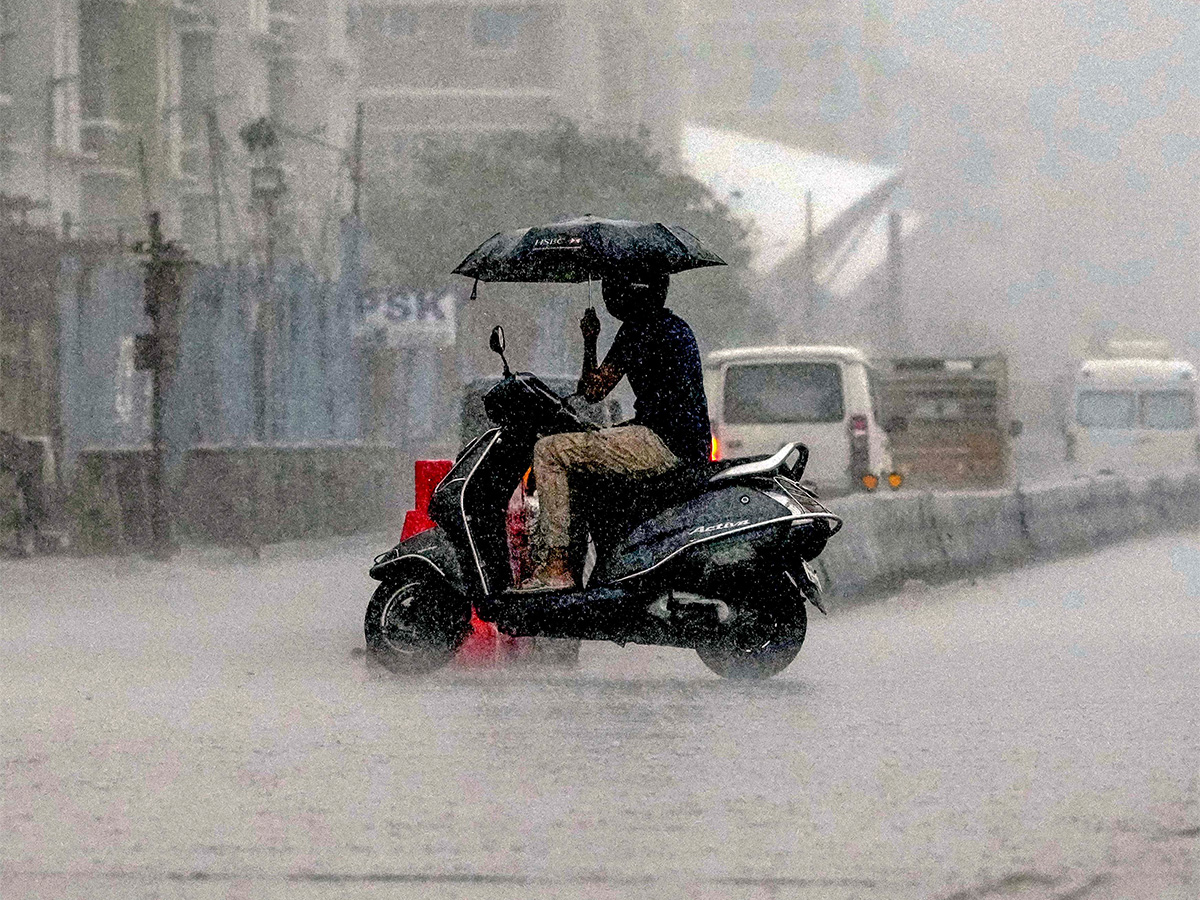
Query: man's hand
590	324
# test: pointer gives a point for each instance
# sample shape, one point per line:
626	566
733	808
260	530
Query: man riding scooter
657	351
712	557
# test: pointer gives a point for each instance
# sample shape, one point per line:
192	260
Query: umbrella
584	249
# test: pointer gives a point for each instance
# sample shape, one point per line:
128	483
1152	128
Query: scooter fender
715	516
430	549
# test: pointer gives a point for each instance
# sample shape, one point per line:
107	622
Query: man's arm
595	382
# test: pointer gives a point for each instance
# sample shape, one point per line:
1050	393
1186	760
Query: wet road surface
210	728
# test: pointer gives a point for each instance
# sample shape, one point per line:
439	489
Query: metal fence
266	356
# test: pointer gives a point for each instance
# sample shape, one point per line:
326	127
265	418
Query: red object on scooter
486	646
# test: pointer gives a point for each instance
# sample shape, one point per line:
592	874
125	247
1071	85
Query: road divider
890	539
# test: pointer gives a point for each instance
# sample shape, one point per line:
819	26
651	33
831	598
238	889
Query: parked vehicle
759	397
1134	412
949	421
713	557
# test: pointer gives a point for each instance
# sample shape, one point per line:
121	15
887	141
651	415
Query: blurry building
438	68
814	74
111	107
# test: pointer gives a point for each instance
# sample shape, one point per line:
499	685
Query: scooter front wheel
415	625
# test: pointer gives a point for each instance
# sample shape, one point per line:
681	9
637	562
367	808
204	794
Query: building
109	108
815	74
469	67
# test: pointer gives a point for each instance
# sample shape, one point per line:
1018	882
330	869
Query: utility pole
810	265
356	160
895	286
158	352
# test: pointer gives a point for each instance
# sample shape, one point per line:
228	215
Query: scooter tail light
858	425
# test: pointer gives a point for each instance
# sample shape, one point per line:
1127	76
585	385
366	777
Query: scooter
715	557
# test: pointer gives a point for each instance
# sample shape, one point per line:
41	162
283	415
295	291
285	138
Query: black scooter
714	556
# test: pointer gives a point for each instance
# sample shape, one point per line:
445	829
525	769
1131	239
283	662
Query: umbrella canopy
584	249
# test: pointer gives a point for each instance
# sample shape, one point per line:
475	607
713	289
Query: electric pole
158	352
894	297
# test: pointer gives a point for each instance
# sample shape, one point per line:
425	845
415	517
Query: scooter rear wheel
415	625
762	661
749	664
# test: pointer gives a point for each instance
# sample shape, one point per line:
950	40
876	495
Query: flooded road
210	728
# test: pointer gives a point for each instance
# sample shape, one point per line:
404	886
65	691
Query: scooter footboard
601	612
666	616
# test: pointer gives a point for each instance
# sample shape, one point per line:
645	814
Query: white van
1133	414
759	398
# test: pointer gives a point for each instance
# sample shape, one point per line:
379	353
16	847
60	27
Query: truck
948	419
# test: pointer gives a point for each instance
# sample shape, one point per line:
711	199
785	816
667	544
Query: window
354	15
197	94
779	393
1106	409
7	35
393	23
64	99
497	28
260	15
98	27
1168	410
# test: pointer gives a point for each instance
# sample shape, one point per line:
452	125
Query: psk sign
409	318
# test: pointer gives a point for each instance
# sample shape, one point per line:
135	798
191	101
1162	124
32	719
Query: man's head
629	295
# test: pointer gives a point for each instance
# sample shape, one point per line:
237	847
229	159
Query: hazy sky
1052	150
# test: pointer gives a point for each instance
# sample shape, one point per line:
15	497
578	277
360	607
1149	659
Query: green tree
463	192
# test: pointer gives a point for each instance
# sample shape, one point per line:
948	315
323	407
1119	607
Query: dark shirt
658	354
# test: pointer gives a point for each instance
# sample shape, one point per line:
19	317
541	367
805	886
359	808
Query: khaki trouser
629	450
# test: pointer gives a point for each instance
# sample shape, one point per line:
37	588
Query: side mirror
496	342
1015	427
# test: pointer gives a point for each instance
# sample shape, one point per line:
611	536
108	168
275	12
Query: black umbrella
584	249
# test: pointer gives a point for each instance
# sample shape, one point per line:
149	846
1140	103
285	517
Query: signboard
409	319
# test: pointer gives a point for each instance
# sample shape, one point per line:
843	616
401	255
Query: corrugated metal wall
265	357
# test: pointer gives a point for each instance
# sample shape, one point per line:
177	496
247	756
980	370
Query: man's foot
554	575
539	582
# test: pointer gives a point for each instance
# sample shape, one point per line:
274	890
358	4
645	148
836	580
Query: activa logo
709	529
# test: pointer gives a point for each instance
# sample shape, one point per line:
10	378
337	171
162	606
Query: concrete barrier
1053	516
852	563
241	496
889	538
886	539
979	529
1171	500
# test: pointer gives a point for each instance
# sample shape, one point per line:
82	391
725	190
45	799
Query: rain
548	449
